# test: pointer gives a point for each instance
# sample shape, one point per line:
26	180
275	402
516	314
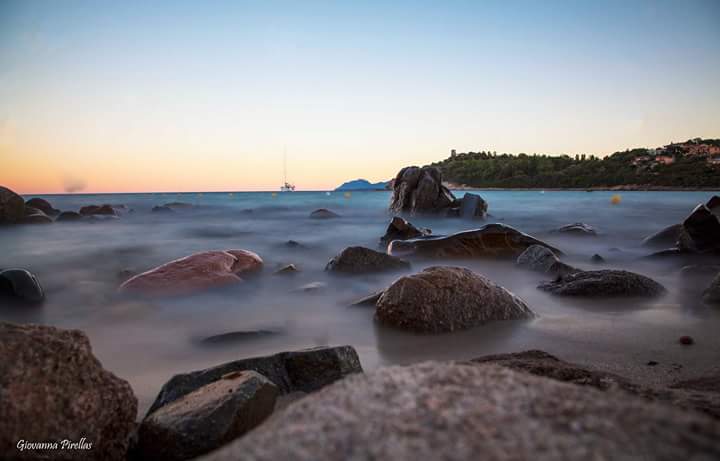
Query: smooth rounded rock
21	286
12	206
360	260
604	283
541	259
42	205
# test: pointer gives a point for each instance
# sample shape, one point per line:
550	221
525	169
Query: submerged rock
35	216
712	294
287	269
21	286
400	229
12	206
42	205
665	238
323	213
604	283
442	299
199	271
237	336
296	371
597	259
179	205
53	388
360	260
67	216
455	411
91	210
577	229
162	209
312	287
541	259
491	240
420	190
207	418
701	231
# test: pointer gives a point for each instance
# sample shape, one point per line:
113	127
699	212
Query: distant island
691	164
362	184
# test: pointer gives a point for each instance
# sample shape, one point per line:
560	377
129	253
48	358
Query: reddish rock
199	271
686	340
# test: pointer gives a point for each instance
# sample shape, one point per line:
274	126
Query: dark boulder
577	229
21	286
604	283
665	238
91	210
207	418
597	259
701	232
295	371
287	269
714	204
541	259
473	206
12	206
68	216
400	229
162	209
53	388
443	299
491	240
420	190
35	216
42	205
369	300
323	213
360	260
180	205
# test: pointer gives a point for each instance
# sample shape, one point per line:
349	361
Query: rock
207	418
98	210
473	206
686	340
293	244
665	238
359	260
323	213
197	272
453	411
162	209
288	269
597	259
541	259
369	300
179	205
442	299
312	287
67	216
237	336
35	216
714	204
42	205
296	371
53	388
577	229
400	229
21	286
491	240
604	283
12	206
420	190
701	232
712	294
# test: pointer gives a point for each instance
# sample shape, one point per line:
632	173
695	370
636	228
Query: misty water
146	341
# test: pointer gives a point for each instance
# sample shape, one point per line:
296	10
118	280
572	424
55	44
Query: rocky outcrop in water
701	231
323	213
541	259
442	299
360	260
577	229
53	389
471	411
12	206
401	229
420	190
664	238
197	272
491	240
42	205
604	283
207	418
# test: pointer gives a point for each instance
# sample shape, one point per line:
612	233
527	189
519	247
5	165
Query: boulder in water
420	190
69	216
162	209
360	260
35	216
21	286
401	229
53	388
443	299
323	213
42	205
577	229
91	210
604	283
12	206
473	206
664	238
197	272
541	259
701	231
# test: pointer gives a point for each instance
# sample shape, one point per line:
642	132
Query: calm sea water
146	341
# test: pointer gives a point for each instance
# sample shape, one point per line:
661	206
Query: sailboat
286	187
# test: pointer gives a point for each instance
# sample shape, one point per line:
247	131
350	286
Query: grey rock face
420	190
541	259
21	285
664	238
53	388
207	418
463	412
604	283
400	229
359	260
491	240
442	299
12	206
304	370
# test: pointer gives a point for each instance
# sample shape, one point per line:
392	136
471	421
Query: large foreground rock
701	231
420	190
541	259
197	272
491	240
442	299
207	418
12	206
360	260
465	412
21	286
400	229
604	283
53	388
295	371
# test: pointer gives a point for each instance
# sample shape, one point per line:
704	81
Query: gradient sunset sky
187	96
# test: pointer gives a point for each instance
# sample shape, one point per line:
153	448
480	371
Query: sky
138	96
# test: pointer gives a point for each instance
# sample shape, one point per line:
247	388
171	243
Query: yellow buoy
615	199
274	194
347	195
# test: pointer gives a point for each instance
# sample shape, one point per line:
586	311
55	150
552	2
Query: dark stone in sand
323	213
665	238
67	216
443	299
701	232
98	210
360	260
541	259
35	216
420	190
162	209
454	411
207	418
712	294
12	206
604	283
53	388
304	370
400	229
21	286
473	206
491	240
42	205
288	269
577	229
237	336
597	259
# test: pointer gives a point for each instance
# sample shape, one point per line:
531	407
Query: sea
147	340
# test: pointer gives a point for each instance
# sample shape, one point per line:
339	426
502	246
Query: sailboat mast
285	164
